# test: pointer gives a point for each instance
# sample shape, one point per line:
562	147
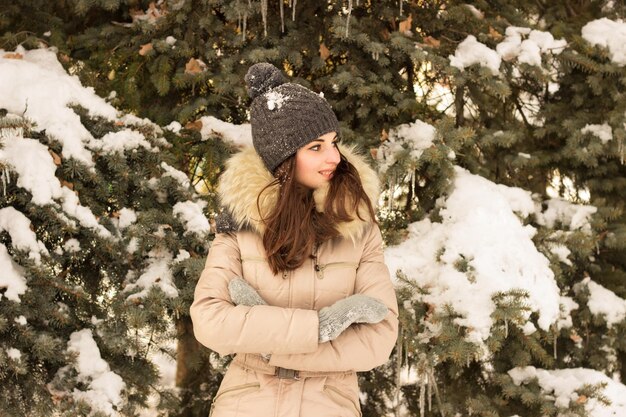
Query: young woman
295	283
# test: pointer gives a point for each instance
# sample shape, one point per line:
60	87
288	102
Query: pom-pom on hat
284	116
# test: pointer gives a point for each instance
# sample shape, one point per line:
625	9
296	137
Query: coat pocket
236	391
334	281
322	268
343	399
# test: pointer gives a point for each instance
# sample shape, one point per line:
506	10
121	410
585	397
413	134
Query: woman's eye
315	148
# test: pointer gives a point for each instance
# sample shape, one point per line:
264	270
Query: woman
295	283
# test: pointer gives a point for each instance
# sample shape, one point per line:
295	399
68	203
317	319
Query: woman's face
316	161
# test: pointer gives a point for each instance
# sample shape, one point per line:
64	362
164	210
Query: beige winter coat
287	328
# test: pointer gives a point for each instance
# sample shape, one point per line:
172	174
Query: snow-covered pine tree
101	240
483	294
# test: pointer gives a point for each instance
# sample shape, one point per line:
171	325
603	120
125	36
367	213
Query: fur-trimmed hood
246	175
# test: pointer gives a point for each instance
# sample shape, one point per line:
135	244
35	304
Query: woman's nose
332	155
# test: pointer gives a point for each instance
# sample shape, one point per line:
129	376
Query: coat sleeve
360	347
226	328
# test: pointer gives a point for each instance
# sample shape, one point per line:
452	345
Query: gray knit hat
284	116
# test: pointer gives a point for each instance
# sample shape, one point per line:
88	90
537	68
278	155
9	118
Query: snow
174	127
133	245
41	90
104	386
240	135
575	216
182	255
36	173
166	366
21	320
514	46
603	131
470	52
156	274
528	328
193	217
416	137
479	225
562	253
34	166
14	354
179	176
71	245
121	141
604	302
528	50
22	237
567	305
609	34
563	383
127	217
12	276
71	206
275	100
518	200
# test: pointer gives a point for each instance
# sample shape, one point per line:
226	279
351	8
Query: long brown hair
294	225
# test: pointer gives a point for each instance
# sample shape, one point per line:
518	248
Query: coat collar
246	175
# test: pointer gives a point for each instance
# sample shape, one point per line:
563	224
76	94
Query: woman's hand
242	293
356	308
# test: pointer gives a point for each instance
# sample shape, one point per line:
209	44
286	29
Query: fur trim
246	175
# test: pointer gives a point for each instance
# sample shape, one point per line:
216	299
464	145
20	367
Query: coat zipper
344	396
316	266
319	269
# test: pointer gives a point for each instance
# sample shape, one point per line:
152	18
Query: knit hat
284	116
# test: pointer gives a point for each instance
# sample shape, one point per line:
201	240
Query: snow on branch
104	387
480	248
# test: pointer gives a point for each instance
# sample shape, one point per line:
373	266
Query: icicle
554	345
245	23
506	327
401	4
282	17
264	16
430	392
620	149
5	179
391	193
433	382
348	19
238	15
293	11
422	396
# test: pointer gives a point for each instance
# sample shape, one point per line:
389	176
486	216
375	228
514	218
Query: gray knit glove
243	294
357	308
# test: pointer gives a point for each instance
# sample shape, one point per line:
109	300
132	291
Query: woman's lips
328	174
